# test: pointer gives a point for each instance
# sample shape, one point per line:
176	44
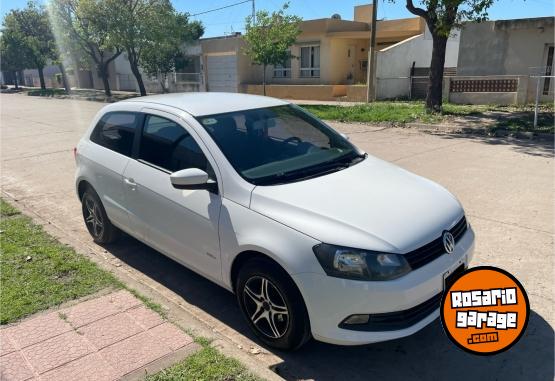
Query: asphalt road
506	186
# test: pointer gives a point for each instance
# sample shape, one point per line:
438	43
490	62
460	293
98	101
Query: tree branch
416	10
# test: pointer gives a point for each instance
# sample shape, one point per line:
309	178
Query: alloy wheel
93	217
266	307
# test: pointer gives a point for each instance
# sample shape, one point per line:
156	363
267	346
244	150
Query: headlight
345	262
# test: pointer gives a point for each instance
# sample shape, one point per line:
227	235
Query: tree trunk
64	77
41	78
103	73
15	81
162	81
264	80
137	73
434	97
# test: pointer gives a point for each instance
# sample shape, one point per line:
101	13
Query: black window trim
140	124
137	144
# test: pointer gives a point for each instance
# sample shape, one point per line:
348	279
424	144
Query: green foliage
85	27
147	28
270	36
39	272
206	364
159	54
442	15
513	118
27	38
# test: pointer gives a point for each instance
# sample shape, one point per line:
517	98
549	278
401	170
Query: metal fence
195	78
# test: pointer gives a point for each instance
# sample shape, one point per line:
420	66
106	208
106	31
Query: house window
363	65
283	70
310	61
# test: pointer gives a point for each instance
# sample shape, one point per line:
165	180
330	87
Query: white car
315	237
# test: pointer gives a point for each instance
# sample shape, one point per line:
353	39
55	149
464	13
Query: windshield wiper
312	171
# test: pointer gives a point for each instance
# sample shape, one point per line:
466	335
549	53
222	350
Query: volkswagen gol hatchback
315	237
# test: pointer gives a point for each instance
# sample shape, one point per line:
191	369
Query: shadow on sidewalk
533	147
427	355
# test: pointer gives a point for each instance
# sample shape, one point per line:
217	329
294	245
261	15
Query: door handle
130	182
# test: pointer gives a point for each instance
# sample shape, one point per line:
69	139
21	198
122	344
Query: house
497	58
330	53
402	70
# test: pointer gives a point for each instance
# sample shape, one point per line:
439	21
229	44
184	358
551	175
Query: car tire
272	305
97	221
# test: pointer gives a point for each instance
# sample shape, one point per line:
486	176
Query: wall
509	47
394	62
504	47
308	92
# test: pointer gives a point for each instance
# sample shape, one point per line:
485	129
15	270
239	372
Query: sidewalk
105	338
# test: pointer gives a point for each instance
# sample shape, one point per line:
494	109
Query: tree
31	27
269	38
139	26
442	16
87	25
12	53
159	57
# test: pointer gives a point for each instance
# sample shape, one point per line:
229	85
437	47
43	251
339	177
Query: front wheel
96	220
272	305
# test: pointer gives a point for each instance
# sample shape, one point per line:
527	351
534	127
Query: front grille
433	250
393	321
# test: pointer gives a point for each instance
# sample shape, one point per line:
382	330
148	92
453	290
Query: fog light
356	319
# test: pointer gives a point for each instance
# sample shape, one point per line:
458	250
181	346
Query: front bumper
330	300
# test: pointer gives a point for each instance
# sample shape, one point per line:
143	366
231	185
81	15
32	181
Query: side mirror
193	178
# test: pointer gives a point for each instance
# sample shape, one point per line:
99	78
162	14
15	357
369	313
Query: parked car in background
315	237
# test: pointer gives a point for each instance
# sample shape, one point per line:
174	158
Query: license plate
450	279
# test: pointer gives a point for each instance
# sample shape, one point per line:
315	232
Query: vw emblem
448	242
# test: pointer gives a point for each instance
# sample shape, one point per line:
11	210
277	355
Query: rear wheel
272	305
96	220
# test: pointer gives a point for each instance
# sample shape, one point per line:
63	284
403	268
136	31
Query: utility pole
371	71
253	12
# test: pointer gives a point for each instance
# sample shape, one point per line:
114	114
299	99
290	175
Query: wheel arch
82	186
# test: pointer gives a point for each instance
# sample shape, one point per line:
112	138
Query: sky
231	20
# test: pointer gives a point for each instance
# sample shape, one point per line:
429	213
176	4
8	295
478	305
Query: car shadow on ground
534	147
427	355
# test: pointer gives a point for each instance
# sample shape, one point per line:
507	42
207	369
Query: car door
182	224
107	157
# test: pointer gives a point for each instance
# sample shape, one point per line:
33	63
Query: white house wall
394	62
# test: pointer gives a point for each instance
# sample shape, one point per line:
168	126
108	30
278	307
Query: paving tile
14	368
56	351
145	317
110	330
37	329
6	345
171	336
91	310
134	352
124	299
89	368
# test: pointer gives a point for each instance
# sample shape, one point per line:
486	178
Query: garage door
222	73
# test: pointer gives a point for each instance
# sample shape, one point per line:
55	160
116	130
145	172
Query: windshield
280	144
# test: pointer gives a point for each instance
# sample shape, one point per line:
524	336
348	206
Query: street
506	187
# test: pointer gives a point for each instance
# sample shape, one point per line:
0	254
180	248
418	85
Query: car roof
199	104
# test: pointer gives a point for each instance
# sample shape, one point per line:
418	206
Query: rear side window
116	131
168	145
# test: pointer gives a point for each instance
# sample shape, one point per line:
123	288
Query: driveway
506	186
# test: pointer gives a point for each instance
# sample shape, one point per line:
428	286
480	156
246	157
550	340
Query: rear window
116	131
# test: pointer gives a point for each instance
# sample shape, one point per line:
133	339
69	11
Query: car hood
372	205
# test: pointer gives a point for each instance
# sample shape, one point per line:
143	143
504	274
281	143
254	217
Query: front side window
169	146
278	145
116	131
310	61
